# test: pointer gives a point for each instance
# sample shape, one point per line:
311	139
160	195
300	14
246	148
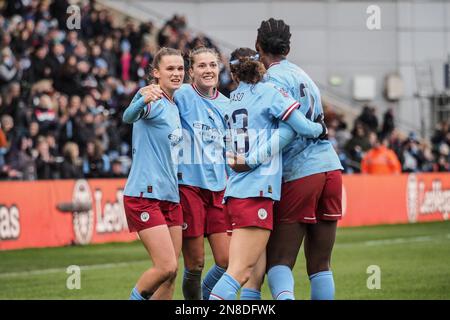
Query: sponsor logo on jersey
283	92
184	226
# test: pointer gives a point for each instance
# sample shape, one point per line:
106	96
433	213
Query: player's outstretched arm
305	127
143	97
284	135
135	110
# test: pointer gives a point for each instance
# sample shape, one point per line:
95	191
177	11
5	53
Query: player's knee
169	270
195	264
222	262
243	274
319	265
246	274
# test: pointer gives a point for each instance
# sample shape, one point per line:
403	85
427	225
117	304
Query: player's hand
324	134
151	93
237	162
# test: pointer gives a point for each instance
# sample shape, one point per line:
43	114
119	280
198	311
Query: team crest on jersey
145	216
262	214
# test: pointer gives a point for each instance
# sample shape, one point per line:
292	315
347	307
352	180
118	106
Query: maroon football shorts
250	212
202	212
311	198
144	213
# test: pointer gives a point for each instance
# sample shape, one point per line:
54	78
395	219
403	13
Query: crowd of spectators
62	94
389	149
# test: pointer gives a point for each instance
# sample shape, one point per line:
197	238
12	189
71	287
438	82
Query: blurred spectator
95	163
45	114
56	60
71	167
117	170
21	162
388	122
357	146
443	160
7	125
3	147
411	157
46	165
40	64
368	118
8	67
380	159
428	159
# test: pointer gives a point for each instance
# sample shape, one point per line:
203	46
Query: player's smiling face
170	73
205	71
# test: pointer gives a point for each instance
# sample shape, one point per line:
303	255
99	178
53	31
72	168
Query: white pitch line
397	241
209	256
391	241
63	270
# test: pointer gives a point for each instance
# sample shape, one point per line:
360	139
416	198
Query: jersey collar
275	63
165	95
214	96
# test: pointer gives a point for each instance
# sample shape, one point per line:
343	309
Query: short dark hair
245	66
274	37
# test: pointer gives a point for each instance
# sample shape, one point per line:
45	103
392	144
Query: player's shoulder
185	89
270	90
221	98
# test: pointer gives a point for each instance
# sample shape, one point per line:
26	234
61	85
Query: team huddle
254	174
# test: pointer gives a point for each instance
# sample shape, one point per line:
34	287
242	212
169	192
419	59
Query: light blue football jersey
303	157
157	138
252	118
202	162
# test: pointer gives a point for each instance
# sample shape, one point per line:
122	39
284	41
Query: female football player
201	173
312	184
252	116
151	197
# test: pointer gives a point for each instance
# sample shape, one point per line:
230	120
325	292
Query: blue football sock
322	286
225	289
281	282
250	294
211	278
135	295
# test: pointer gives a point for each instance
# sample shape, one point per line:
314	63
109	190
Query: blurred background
382	69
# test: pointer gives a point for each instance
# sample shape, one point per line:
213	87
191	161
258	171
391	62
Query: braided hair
274	37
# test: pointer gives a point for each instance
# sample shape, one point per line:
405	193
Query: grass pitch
414	261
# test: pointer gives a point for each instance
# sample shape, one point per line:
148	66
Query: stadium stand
62	94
